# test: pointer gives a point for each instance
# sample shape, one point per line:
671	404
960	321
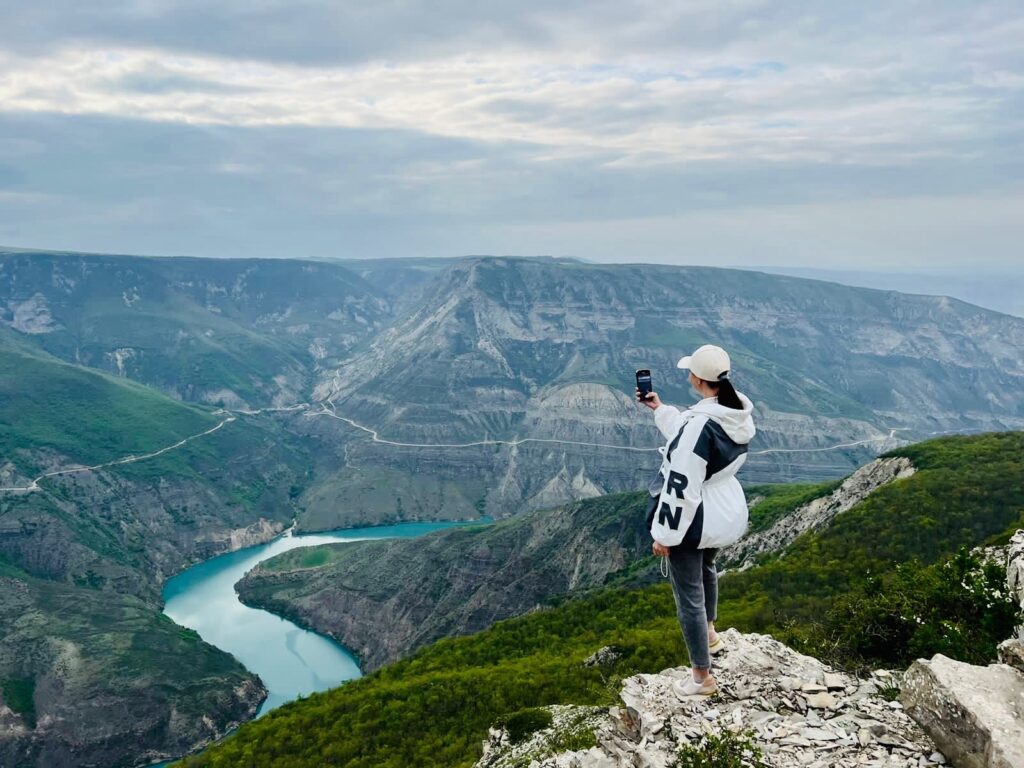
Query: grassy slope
82	414
434	708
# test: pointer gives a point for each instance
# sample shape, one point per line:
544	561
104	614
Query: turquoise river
290	660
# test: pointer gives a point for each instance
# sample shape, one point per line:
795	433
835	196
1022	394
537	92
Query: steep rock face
113	681
102	679
1012	650
116	533
385	598
545	349
818	512
800	711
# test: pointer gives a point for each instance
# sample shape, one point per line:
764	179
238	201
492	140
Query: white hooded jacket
701	504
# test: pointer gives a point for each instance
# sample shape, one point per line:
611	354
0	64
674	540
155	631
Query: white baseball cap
709	363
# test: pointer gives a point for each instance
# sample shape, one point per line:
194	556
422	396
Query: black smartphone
643	383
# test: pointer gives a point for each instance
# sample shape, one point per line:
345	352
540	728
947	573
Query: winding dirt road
327	409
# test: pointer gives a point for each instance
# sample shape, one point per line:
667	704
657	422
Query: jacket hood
738	425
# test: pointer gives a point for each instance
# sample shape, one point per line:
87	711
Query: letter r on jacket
677	483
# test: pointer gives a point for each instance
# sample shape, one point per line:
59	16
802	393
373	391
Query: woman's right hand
652	401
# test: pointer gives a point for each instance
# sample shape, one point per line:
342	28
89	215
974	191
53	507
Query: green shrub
19	693
724	749
523	724
959	607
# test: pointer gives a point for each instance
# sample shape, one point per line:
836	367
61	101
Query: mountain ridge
501	348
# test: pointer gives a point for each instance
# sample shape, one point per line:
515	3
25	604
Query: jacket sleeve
681	490
669	420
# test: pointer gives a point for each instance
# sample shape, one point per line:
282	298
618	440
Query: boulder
975	715
1011	653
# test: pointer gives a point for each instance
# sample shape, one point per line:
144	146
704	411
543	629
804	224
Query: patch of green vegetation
723	749
889	692
959	607
965	490
573	737
523	724
83	414
434	708
19	694
304	557
573	734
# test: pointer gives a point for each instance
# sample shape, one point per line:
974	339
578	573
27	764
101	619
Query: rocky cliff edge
798	712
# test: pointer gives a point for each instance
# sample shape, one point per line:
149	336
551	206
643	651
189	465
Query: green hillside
86	416
433	709
83	559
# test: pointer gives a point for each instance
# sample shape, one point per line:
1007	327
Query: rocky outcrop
260	532
817	513
976	714
798	711
1011	651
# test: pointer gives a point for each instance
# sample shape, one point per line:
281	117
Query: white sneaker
688	688
718	646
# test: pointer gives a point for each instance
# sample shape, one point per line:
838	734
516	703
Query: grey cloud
104	184
346	31
933	188
159	80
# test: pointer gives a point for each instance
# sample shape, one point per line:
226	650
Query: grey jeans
695	587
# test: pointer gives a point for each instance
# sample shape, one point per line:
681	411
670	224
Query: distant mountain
507	381
237	332
544	350
1000	292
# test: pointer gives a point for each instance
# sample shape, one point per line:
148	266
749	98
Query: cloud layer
640	131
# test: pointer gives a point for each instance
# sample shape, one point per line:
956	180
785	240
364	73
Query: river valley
290	660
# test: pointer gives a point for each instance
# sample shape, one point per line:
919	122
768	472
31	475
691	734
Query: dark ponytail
727	393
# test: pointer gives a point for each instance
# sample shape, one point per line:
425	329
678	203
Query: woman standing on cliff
697	505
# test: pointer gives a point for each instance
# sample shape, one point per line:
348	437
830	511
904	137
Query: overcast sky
831	134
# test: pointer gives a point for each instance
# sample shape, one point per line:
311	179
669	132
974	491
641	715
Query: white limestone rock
761	682
974	714
1011	651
